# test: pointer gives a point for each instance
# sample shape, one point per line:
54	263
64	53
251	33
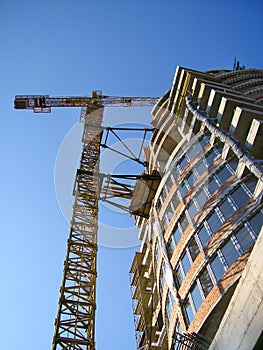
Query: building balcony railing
191	341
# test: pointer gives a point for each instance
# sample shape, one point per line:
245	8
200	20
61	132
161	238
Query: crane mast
75	321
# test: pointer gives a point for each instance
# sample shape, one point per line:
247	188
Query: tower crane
75	321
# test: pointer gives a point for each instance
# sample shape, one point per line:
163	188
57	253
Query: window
203	141
224	174
170	303
196	296
176	234
162	274
169	183
192	153
158	205
183	163
230	253
214	222
185	263
179	276
188	311
157	253
240	196
201	168
212	185
210	157
183	222
217	267
206	282
175	173
175	200
219	145
191	179
193	248
203	235
244	238
201	198
169	212
226	209
183	190
233	163
251	183
192	210
256	222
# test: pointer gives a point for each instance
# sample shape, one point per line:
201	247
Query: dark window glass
226	209
230	253
203	141
203	236
217	267
256	222
164	223
196	296
201	168
210	157
175	200
169	212
185	263
223	175
214	222
244	238
183	190
171	246
184	222
193	248
170	302
191	179
206	282
251	183
189	311
157	253
219	145
163	271
179	276
158	205
240	196
192	210
201	198
233	163
176	234
175	172
169	183
183	162
212	186
192	152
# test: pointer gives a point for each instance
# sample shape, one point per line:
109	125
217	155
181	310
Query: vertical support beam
75	322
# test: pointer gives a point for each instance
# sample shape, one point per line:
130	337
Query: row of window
221	213
236	245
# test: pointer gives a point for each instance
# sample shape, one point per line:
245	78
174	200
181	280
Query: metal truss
75	322
44	103
107	131
74	325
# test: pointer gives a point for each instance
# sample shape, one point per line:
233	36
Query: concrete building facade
201	237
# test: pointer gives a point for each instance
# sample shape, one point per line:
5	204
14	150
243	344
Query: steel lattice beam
74	325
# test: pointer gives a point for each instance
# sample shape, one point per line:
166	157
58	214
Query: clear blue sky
125	48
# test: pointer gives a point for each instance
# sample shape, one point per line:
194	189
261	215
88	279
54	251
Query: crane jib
44	103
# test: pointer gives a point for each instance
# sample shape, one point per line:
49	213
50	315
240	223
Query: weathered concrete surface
242	323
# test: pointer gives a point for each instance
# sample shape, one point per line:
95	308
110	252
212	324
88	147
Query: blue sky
71	48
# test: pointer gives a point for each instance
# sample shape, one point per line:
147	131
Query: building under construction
197	280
